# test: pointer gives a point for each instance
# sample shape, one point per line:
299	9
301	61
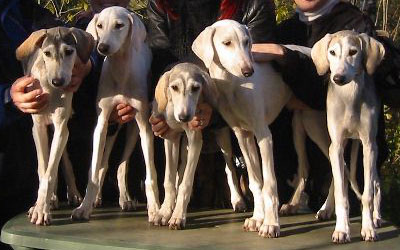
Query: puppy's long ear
84	43
138	31
373	53
203	45
319	54
91	28
33	42
161	92
210	90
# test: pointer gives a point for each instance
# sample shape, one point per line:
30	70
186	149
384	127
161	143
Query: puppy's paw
340	237
164	215
81	213
252	224
152	211
324	214
74	198
288	209
98	202
369	234
128	205
54	202
177	223
269	231
40	215
377	221
239	205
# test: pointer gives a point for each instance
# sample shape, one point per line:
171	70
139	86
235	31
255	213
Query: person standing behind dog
173	25
312	21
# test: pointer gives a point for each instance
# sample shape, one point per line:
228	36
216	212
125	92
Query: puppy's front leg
249	151
41	212
270	227
147	142
171	146
178	219
73	196
99	138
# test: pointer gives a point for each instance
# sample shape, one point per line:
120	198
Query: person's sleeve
299	72
261	21
8	112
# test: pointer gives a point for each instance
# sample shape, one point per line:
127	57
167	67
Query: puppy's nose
57	82
184	117
103	48
339	79
247	71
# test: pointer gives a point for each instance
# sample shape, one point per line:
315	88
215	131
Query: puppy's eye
47	53
69	52
195	88
352	52
332	52
119	25
227	43
99	25
174	88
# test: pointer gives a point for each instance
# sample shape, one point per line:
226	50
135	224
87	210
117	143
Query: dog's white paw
81	213
98	202
377	221
369	234
164	215
288	209
239	205
340	237
152	211
74	198
324	214
54	202
40	215
128	205
269	231
177	223
252	224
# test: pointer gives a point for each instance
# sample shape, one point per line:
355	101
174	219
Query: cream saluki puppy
177	95
352	112
49	56
121	38
251	95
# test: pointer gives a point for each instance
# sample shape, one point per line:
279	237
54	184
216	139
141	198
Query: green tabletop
212	229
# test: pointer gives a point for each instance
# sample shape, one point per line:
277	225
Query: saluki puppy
177	95
352	112
251	95
121	38
49	56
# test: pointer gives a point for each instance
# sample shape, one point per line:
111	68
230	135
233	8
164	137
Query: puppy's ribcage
243	101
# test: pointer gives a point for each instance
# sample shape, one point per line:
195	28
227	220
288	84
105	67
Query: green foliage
284	9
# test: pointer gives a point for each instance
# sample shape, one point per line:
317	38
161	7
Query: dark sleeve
260	19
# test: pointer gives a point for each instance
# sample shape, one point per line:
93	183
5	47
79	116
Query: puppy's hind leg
110	140
99	140
224	142
125	201
299	138
73	196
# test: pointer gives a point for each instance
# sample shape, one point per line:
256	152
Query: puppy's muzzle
103	48
339	79
58	82
247	71
184	117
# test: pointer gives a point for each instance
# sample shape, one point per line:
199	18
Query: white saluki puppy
352	112
49	56
177	95
251	95
121	38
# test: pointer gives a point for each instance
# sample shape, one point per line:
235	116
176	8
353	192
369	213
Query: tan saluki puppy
353	109
121	38
49	56
178	93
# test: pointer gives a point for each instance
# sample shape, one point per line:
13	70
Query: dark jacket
171	40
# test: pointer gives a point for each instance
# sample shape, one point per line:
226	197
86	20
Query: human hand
158	125
28	95
202	117
265	52
122	113
79	72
